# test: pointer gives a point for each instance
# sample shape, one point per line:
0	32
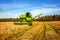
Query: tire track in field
44	31
41	34
50	32
31	33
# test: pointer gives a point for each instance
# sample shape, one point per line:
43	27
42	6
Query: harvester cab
26	18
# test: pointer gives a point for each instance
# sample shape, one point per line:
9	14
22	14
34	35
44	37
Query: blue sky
13	8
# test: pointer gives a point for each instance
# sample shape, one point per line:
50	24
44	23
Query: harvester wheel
30	24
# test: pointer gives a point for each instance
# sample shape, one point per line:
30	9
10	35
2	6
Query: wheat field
38	31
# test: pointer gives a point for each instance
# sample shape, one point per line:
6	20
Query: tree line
49	18
43	18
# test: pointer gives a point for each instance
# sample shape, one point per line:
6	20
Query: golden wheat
38	31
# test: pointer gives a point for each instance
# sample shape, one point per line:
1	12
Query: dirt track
38	31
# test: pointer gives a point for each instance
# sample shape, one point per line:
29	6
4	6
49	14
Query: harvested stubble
38	31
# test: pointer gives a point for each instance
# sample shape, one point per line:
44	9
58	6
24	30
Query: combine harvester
26	19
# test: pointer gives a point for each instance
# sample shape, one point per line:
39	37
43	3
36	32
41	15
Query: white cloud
3	15
8	15
45	11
